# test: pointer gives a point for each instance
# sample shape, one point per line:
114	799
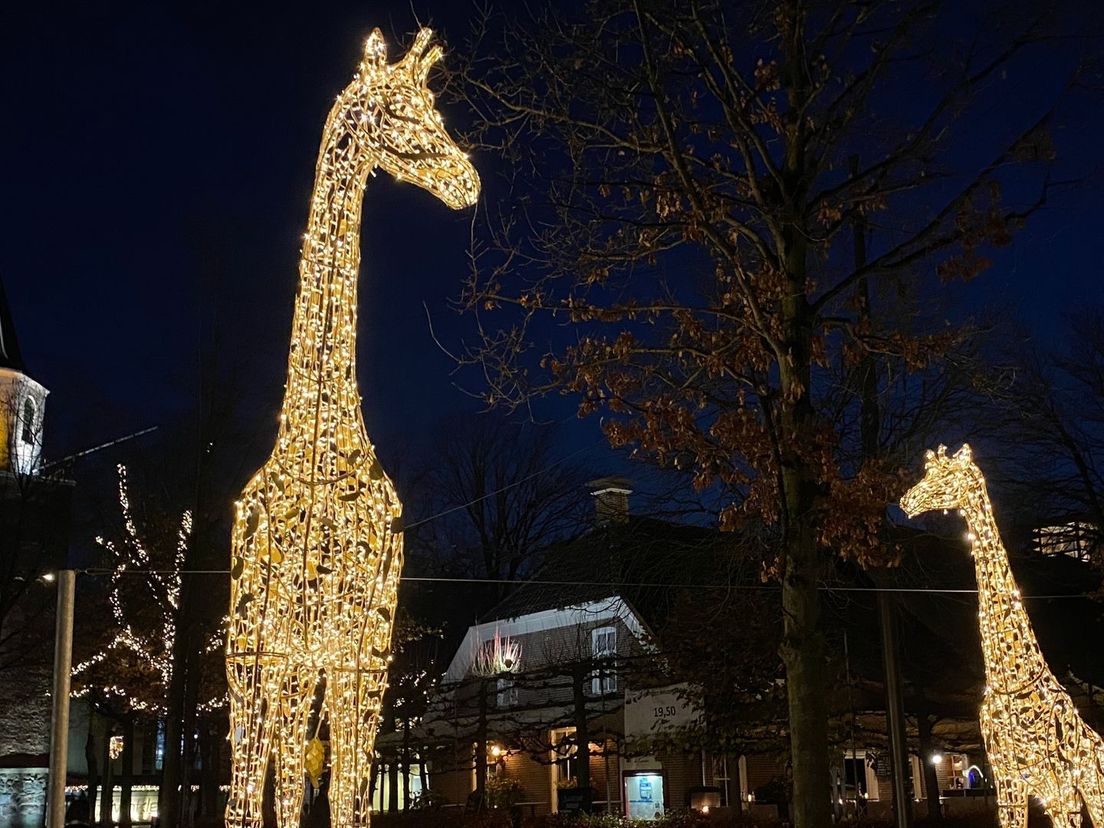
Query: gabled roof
604	609
10	355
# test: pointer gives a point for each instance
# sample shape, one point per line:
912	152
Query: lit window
603	650
1074	539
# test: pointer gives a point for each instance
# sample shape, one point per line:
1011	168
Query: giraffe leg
296	696
1011	803
353	700
252	717
1071	805
1095	807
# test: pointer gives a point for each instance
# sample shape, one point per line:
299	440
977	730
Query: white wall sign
656	711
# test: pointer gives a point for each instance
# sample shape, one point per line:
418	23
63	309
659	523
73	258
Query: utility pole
59	721
895	714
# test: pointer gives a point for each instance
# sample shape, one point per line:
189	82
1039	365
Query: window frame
28	417
506	692
604	680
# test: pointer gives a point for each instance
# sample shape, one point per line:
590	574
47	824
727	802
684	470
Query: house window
1074	540
564	757
721	777
28	422
506	693
603	650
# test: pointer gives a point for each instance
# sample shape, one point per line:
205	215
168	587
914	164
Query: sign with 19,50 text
658	710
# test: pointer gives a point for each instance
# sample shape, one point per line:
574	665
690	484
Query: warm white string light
145	640
316	545
1037	743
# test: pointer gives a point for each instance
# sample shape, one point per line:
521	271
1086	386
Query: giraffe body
1036	741
317	545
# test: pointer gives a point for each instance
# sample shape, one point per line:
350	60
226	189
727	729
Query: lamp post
59	720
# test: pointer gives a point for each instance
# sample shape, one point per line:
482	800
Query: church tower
22	403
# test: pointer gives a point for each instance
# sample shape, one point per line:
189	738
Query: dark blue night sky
156	163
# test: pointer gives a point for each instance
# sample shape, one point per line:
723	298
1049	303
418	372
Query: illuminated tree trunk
168	798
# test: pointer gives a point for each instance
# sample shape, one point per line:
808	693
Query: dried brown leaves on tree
719	218
688	216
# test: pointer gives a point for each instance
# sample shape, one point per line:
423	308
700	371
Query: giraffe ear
964	455
375	50
425	63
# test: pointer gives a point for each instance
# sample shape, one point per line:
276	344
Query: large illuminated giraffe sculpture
316	546
1037	743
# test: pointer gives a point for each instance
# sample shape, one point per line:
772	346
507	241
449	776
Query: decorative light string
1036	741
316	549
151	649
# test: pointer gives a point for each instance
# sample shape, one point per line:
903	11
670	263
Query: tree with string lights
126	669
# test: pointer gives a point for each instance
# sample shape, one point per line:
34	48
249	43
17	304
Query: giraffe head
946	483
390	112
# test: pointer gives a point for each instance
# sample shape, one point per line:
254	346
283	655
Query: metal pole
59	722
895	714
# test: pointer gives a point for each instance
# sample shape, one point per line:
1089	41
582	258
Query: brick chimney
611	499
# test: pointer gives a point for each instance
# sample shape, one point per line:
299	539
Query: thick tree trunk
931	781
803	656
802	641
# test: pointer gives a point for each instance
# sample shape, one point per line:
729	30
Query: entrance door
644	795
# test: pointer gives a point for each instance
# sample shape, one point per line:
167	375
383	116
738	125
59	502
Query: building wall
535	778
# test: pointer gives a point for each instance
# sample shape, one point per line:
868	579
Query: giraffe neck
321	393
1012	655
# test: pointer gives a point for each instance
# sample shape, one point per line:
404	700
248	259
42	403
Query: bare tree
677	252
500	494
1049	411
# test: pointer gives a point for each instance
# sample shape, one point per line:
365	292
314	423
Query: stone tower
22	402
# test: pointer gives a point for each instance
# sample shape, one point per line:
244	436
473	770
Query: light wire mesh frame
1037	743
317	544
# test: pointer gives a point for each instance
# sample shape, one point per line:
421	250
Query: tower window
28	421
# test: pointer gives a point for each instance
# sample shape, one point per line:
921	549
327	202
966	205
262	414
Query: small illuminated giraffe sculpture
316	546
1037	743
